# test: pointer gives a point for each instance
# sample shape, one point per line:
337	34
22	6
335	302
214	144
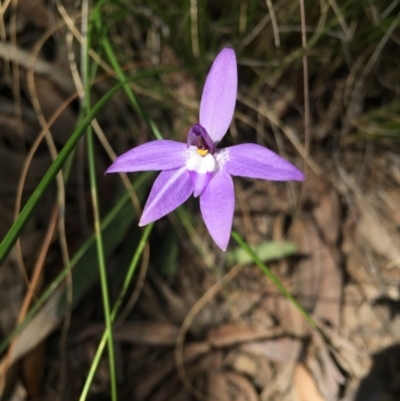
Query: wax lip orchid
198	167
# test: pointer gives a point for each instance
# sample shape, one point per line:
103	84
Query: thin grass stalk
96	214
102	264
14	232
275	280
117	305
74	261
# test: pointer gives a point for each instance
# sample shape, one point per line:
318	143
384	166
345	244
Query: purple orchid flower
198	167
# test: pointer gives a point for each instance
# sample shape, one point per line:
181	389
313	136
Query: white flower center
199	163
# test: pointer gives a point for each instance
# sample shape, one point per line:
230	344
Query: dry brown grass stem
50	144
307	119
288	131
274	22
3	39
15	69
138	287
33	285
69	21
194	28
197	307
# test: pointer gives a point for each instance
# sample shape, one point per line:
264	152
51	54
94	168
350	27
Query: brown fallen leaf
232	333
146	333
226	386
304	385
217	386
327	215
371	228
33	369
255	367
242	362
166	366
347	354
325	371
318	279
279	350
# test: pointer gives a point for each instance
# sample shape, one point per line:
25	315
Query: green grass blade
113	226
101	263
274	279
127	281
14	232
22	219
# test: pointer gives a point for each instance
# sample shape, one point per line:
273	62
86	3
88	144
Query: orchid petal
199	181
219	95
170	190
217	204
254	161
151	156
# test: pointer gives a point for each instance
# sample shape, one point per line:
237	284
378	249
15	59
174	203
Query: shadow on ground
383	381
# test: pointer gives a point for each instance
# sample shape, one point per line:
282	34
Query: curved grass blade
274	280
82	275
12	235
125	286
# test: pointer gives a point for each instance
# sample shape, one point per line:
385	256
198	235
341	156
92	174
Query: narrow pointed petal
254	161
170	190
151	156
217	204
219	95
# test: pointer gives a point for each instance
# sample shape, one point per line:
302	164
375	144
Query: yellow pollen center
202	152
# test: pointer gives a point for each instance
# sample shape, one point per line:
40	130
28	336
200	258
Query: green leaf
266	251
84	275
